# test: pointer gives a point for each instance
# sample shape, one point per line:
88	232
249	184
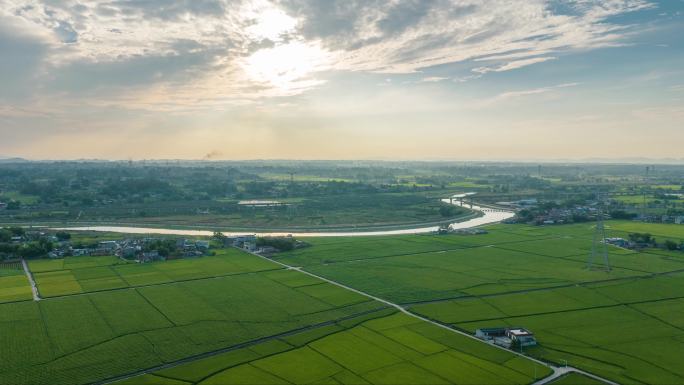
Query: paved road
557	371
29	275
561	371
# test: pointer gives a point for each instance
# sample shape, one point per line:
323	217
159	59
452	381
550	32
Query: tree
448	211
671	245
622	214
17	231
280	243
63	235
35	249
5	235
219	237
641	238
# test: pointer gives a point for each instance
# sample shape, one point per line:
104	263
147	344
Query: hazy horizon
550	161
299	79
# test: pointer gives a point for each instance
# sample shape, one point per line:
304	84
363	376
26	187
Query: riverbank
480	216
346	228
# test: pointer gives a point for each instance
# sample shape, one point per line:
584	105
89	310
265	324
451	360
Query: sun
271	24
285	64
290	61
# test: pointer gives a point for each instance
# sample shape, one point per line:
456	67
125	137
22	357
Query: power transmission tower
599	248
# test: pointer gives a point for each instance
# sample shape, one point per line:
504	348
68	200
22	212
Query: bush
63	235
621	214
671	245
282	244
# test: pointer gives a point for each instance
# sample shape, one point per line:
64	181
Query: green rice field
624	325
375	349
14	286
83	338
73	275
234	318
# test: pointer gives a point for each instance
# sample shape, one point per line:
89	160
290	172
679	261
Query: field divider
569	259
29	275
232	348
665	369
654	317
522	291
557	371
157	284
626	304
462	247
155	307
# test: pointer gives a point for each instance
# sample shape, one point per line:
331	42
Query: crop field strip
426	261
70	333
14	285
653	279
303	286
320	328
387	247
112	274
376	349
423	309
541	289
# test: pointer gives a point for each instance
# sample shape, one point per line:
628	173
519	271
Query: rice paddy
379	349
624	324
234	318
14	286
74	275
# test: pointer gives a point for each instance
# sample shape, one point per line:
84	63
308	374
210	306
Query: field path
557	371
563	370
29	275
245	344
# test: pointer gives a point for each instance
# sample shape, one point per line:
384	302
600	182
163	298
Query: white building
521	337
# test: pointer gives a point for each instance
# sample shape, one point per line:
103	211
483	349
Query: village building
108	245
202	245
619	242
507	337
249	246
521	337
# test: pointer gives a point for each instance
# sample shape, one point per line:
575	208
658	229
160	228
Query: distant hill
12	160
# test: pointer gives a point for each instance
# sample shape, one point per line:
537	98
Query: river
489	215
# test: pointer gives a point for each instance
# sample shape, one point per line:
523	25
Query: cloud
22	53
513	65
433	79
203	53
511	95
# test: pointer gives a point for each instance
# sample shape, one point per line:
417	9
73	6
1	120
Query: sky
348	79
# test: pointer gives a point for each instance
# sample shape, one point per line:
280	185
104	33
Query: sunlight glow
284	65
271	23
